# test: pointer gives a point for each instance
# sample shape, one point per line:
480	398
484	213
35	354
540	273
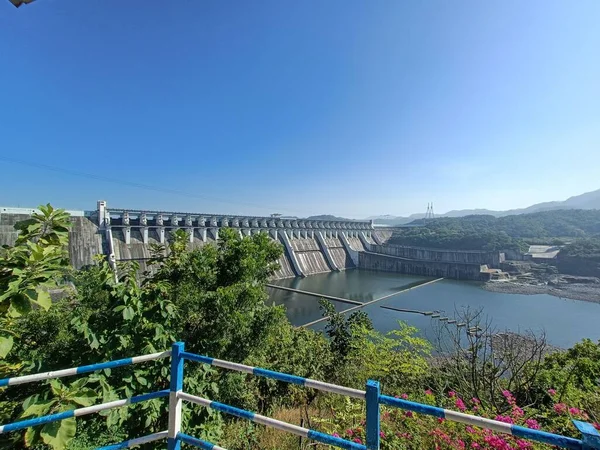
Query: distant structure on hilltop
429	214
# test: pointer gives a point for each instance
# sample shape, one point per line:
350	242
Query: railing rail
372	396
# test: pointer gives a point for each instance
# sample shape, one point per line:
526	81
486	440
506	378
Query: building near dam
310	246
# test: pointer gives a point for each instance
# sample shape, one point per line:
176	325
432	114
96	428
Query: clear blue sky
351	108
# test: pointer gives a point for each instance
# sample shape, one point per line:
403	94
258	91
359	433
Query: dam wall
338	252
85	242
285	268
85	239
8	234
492	259
129	234
309	255
438	269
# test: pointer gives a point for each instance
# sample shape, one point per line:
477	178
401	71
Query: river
564	321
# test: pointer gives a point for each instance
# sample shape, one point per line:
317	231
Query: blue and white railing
590	436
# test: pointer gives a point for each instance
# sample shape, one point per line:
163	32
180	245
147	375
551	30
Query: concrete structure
456	270
542	253
311	246
492	259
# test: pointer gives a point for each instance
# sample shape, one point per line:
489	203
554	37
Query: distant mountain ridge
588	200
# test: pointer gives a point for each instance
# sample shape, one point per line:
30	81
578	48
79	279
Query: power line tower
429	214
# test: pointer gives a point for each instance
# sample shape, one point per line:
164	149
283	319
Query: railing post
175	403
373	428
589	435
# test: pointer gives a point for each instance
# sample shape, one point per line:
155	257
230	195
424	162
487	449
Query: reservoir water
564	321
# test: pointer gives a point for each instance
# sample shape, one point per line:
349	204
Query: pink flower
574	411
409	414
597	426
404	396
335	435
475	400
552	392
532	423
382	435
504	419
524	445
517	412
560	408
460	404
495	441
509	397
350	432
357	440
470	429
441	420
428	392
475	445
451	394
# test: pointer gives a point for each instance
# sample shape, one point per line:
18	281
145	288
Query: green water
564	321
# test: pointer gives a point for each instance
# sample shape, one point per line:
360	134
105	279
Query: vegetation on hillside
588	248
502	233
213	298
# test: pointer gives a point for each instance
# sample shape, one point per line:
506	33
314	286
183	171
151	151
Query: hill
326	217
486	232
588	200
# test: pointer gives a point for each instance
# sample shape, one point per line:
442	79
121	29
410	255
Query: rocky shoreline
588	290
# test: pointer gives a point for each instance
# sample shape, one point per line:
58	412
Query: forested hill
483	232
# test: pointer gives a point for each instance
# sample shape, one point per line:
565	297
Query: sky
344	107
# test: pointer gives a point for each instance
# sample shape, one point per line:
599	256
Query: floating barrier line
494	425
83	369
425	283
315	384
81	411
137	441
315	294
274	423
197	442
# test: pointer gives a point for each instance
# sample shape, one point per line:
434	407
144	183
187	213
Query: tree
212	298
36	262
478	360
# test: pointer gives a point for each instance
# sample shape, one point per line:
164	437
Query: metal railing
371	395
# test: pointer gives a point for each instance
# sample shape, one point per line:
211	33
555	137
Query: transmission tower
429	214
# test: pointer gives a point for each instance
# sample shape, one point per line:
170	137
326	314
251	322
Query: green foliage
575	374
343	332
214	299
482	232
588	248
466	233
35	263
398	359
60	398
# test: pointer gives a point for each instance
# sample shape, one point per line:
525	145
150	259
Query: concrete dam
310	246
